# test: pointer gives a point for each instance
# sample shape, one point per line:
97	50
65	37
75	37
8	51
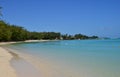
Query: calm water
78	58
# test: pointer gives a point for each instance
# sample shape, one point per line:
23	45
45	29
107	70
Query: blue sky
89	17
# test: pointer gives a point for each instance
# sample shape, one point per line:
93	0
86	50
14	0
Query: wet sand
6	69
21	67
31	66
24	68
25	65
14	65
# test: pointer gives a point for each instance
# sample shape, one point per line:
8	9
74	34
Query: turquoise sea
77	58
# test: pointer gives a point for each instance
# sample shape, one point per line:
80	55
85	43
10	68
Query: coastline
43	67
6	70
39	67
26	41
47	67
11	62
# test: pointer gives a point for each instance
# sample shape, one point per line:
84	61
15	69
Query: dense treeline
16	33
44	35
12	32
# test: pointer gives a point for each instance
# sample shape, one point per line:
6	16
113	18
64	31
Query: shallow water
76	58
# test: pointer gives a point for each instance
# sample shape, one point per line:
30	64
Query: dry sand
27	41
5	67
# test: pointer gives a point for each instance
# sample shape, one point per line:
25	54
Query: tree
5	32
80	36
18	33
94	37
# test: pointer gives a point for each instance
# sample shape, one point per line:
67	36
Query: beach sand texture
5	68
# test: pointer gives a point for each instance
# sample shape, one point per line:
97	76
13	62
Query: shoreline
6	70
10	61
45	69
22	60
13	64
26	41
40	65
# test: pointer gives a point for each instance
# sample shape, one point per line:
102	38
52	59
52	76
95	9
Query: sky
89	17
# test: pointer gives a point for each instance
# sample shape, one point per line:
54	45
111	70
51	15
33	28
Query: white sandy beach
26	41
5	68
39	67
8	68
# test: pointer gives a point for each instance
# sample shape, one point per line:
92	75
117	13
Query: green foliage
67	37
44	35
5	32
12	32
16	33
80	36
50	35
34	35
94	37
